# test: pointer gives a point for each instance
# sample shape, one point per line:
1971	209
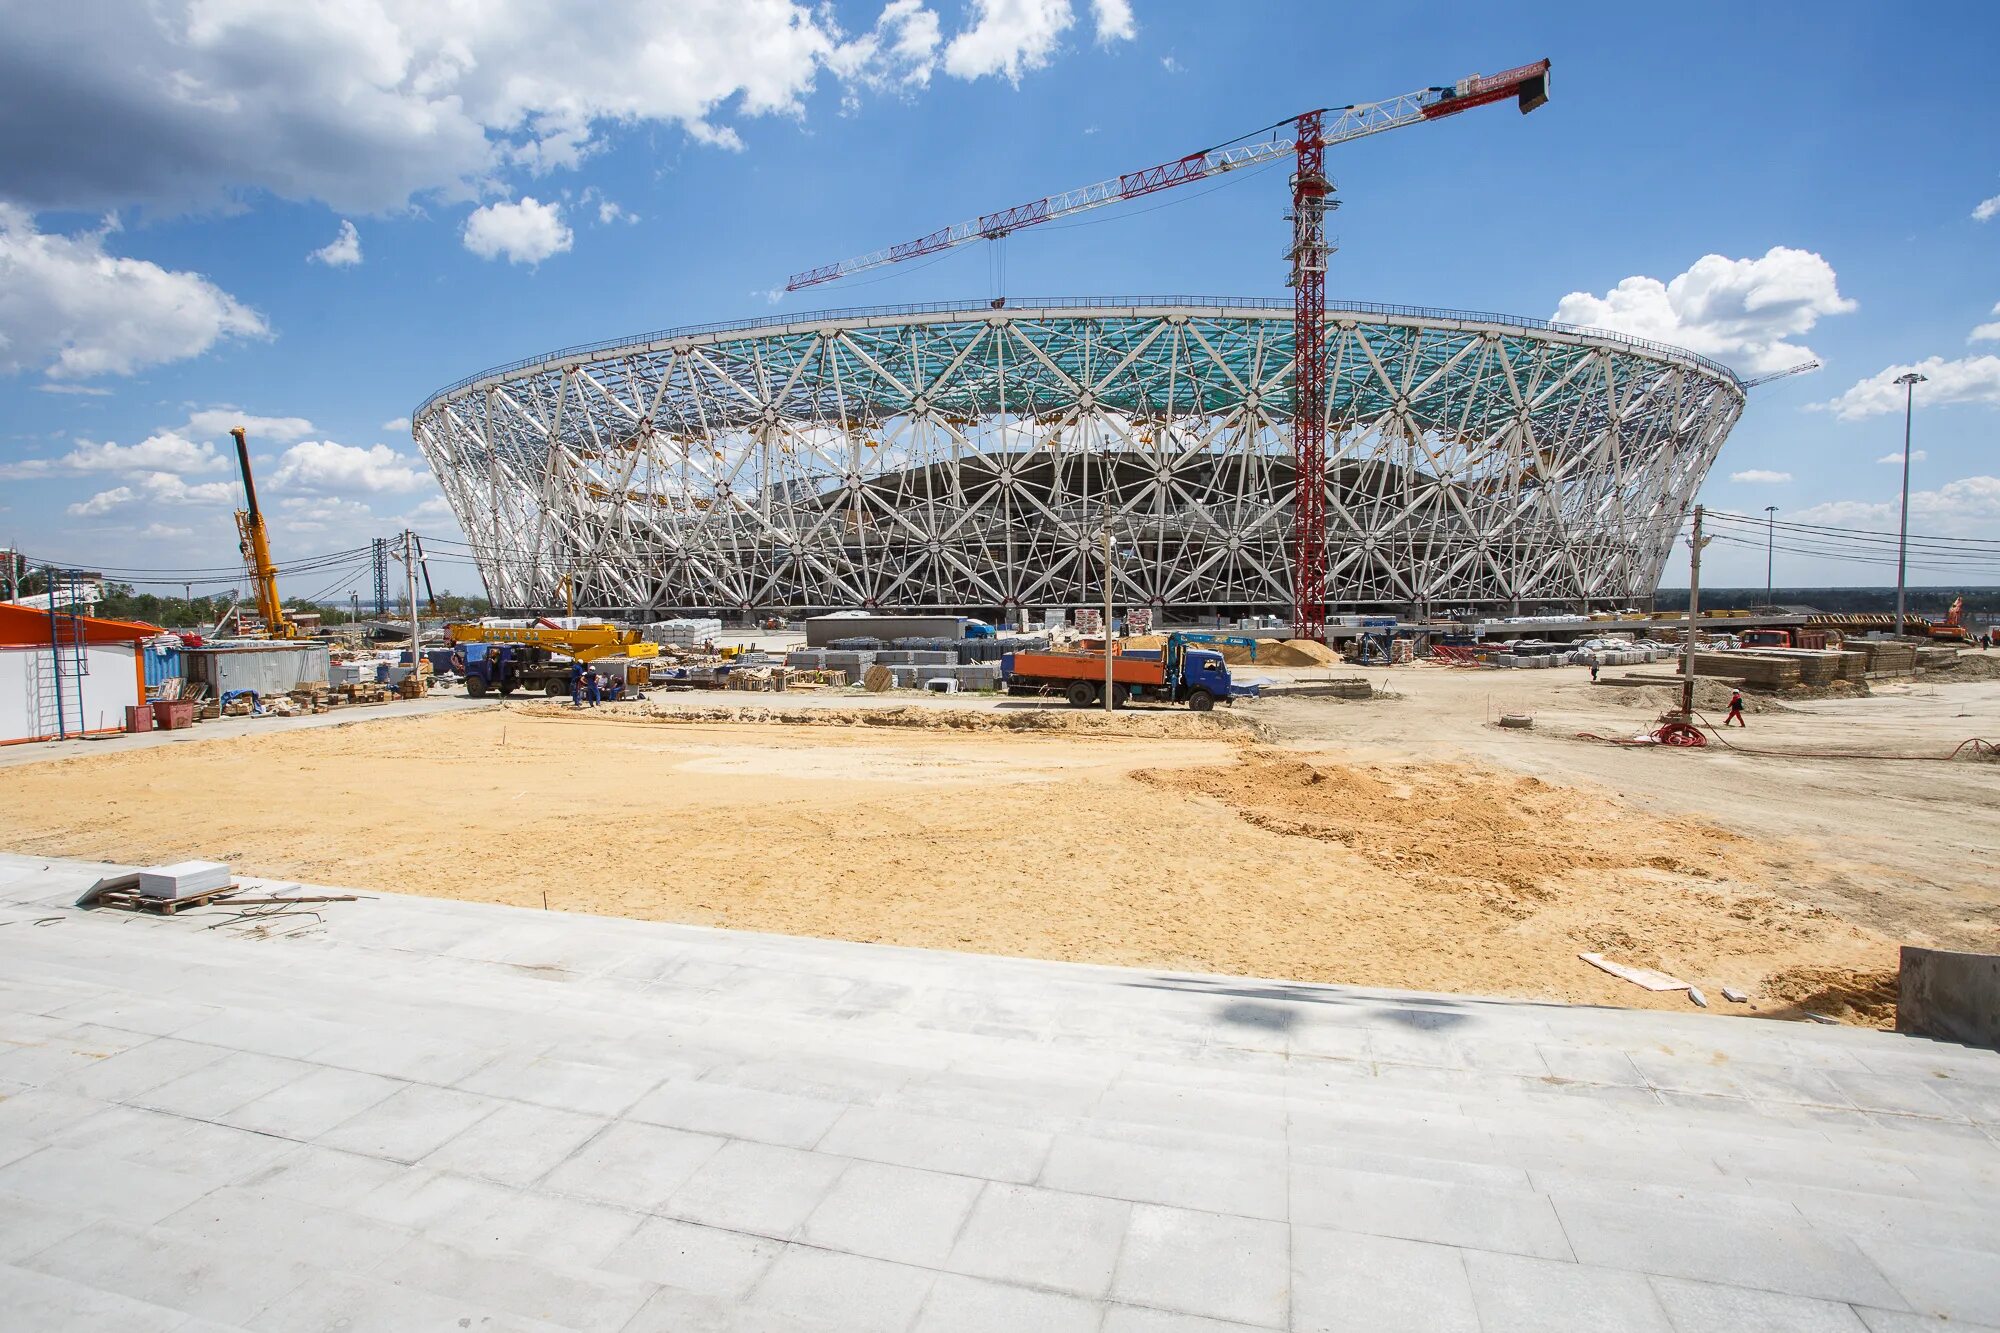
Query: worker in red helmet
1736	710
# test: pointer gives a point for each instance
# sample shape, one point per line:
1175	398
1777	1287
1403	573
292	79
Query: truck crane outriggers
255	544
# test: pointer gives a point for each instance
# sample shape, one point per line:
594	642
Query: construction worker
1736	710
576	671
1593	664
596	685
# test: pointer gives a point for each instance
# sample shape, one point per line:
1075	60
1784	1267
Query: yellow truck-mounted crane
506	658
256	547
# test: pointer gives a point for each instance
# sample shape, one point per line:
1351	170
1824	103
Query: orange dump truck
1179	674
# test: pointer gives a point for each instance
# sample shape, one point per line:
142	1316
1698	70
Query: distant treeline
1923	601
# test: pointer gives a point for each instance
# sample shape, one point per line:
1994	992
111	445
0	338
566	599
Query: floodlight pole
1109	688
1770	546
1694	611
1909	380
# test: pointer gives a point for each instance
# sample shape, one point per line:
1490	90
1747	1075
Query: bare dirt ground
1403	842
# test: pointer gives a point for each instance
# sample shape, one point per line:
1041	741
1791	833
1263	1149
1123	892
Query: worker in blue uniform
596	688
576	674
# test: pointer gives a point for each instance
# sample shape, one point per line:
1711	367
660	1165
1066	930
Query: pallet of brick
1756	671
807	659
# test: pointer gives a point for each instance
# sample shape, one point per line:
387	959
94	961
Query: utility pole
1909	380
1695	544
410	570
1770	546
1108	687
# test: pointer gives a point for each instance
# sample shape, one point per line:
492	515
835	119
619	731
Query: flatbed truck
1197	677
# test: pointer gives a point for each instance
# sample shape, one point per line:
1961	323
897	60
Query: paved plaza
419	1114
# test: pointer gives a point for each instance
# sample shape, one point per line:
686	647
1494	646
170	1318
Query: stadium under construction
959	457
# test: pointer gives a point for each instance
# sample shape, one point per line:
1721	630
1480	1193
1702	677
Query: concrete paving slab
756	1188
973	1305
1516	1294
845	1290
510	1107
893	1212
1207	1264
1047	1238
1345	1283
708	1261
1697	1307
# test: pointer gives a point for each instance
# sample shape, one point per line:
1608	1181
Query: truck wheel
1200	701
476	686
505	689
1080	693
554	688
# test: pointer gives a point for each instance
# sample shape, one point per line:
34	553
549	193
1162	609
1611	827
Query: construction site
1113	814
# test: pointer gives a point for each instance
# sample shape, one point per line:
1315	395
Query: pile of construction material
682	633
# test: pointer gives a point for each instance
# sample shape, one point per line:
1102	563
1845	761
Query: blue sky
537	178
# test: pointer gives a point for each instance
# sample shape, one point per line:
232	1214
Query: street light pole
1770	545
1110	689
1909	380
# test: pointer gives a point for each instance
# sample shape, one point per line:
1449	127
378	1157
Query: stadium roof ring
960	457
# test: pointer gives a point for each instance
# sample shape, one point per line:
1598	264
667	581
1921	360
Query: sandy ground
1402	842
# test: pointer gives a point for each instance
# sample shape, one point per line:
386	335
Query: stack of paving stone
1887	657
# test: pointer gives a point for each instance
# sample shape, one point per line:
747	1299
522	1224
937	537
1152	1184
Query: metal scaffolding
965	459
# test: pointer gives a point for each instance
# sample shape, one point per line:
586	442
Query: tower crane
1803	368
1304	137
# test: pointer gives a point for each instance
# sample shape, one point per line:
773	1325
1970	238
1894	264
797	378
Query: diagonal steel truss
967	459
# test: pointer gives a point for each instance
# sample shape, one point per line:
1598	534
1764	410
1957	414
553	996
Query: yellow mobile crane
256	548
505	658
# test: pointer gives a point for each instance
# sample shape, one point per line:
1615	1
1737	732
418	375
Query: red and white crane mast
1306	137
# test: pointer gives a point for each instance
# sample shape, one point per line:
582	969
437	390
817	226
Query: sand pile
1160	723
1487	863
1969	665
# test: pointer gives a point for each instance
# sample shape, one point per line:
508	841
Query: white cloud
1969	506
167	488
1737	311
212	423
342	251
78	390
400	426
1758	474
525	233
326	467
319	513
901	51
102	503
156	488
1986	332
1987	209
1114	21
165	451
609	212
1172	66
365	106
161	532
1916	456
69	308
1009	38
1971	379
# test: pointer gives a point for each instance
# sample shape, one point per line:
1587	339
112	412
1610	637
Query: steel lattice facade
967	459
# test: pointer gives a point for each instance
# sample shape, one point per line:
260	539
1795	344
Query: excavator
1949	630
255	544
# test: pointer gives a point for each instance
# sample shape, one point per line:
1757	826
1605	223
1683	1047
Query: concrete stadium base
415	1113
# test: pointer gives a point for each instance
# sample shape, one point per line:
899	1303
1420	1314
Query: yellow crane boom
585	643
256	547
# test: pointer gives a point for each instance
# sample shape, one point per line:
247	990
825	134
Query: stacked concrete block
853	662
915	657
682	633
807	659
